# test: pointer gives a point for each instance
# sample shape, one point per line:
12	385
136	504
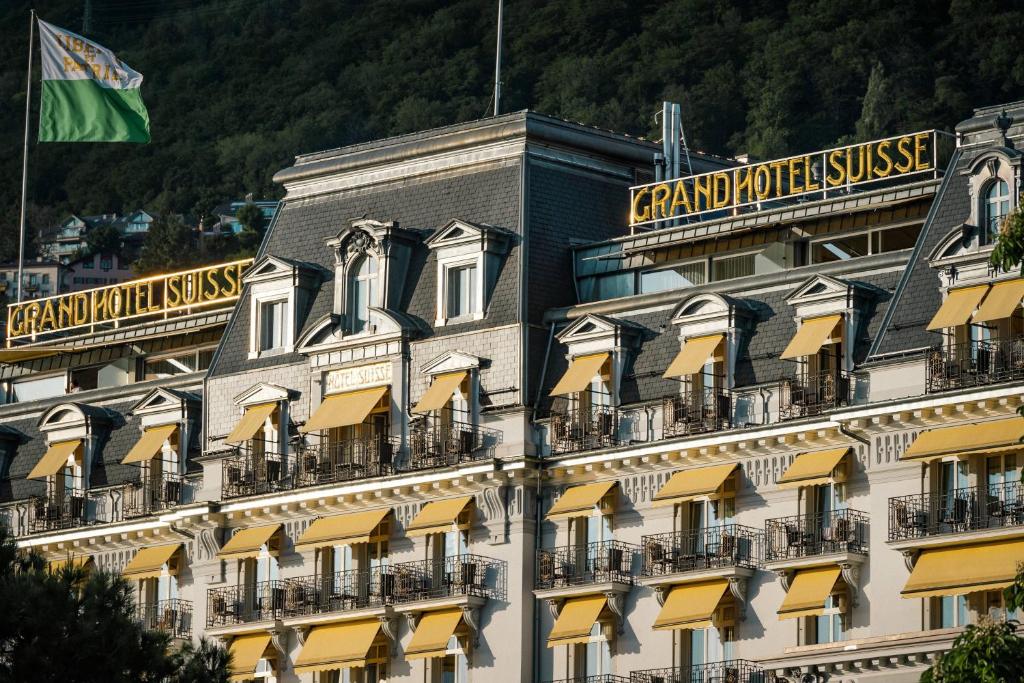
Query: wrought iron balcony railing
599	678
696	412
812	395
729	545
433	445
173	617
331	462
577	565
974	364
49	514
146	498
818	534
254	470
576	429
357	589
731	671
956	511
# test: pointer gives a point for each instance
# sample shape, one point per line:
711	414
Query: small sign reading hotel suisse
157	296
360	377
807	174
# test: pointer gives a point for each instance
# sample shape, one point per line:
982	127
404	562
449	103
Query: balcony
173	617
254	470
144	499
957	511
730	546
339	461
49	514
434	445
583	565
731	671
802	536
696	412
975	364
812	395
599	678
399	584
576	429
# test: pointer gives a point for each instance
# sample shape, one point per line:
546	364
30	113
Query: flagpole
24	157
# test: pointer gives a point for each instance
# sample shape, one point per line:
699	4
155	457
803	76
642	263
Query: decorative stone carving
207	545
279	640
389	625
909	559
851	575
471	616
785	577
412	620
738	589
616	605
554	607
494	506
301	633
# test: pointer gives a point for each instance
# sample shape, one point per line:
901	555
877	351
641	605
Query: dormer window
272	321
997	206
463	299
280	293
361	294
468	259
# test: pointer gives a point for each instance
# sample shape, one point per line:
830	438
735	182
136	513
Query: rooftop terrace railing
956	511
975	364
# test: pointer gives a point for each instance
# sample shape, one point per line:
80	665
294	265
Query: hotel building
478	416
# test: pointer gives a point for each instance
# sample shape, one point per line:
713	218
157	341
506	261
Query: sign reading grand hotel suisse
151	297
360	377
774	181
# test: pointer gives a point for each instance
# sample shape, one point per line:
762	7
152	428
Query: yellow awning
440	390
247	542
958	307
576	620
691	606
1001	301
981	437
958	570
337	646
689	484
357	527
811	469
251	422
17	355
54	459
693	356
343	410
812	335
433	633
438	517
149	562
579	501
146	448
808	592
84	562
246	653
580	372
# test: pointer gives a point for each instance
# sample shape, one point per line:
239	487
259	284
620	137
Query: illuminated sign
184	292
771	182
361	377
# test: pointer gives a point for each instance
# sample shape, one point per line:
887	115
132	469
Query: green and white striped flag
89	95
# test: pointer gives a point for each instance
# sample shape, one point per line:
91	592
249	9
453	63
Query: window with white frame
829	626
272	324
594	657
461	295
454	666
361	293
708	645
997	206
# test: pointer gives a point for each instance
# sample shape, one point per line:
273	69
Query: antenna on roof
497	63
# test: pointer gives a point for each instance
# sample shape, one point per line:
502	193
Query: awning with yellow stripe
433	633
350	529
344	410
246	653
808	592
149	562
580	501
813	468
958	307
689	484
691	606
438	517
84	562
146	448
55	458
958	570
812	335
576	620
248	542
993	436
18	355
694	355
580	372
1001	301
337	646
440	391
252	420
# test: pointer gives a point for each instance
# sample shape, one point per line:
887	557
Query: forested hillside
235	88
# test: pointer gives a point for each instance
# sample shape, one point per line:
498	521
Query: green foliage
169	245
1008	252
104	239
72	627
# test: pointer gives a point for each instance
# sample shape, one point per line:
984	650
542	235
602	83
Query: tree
1008	252
878	114
989	652
104	239
169	245
251	218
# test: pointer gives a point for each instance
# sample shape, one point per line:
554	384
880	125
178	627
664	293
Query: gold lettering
903	147
65	311
173	291
211	278
154	305
659	199
48	317
834	163
921	164
637	216
14	320
721	194
777	166
883	154
81	308
762	182
795	167
702	188
680	198
809	184
743	182
860	174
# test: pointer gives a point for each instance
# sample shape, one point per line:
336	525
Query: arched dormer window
362	293
997	206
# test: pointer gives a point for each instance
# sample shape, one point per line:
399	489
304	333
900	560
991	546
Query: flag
88	94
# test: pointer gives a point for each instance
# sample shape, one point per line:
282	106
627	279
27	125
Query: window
997	206
46	278
178	364
949	611
105	264
594	657
828	628
454	666
676	277
35	389
272	325
462	286
362	293
616	285
844	247
710	645
732	267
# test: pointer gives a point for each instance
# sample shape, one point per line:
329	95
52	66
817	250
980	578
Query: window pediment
164	400
451	361
469	257
262	392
